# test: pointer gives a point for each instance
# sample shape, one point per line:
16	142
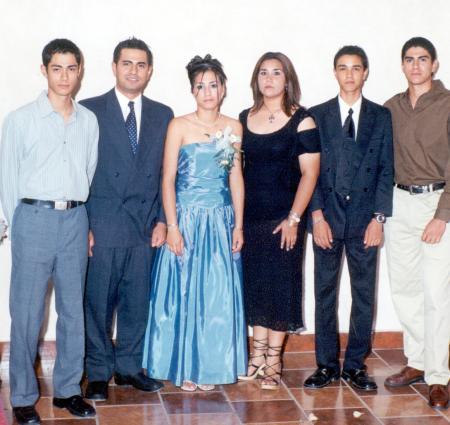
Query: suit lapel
333	125
147	133
365	128
117	127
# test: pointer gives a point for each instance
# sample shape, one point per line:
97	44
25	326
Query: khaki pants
420	283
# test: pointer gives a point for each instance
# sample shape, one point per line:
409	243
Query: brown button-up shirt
422	141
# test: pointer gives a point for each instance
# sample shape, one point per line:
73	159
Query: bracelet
318	220
171	226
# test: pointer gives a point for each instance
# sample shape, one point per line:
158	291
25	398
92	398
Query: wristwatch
379	218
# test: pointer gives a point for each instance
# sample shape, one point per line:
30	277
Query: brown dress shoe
438	396
407	376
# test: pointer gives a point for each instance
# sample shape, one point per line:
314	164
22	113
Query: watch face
380	218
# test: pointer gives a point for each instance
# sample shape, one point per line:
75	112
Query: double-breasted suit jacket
356	181
123	207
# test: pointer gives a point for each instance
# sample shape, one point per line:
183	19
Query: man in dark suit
126	222
352	199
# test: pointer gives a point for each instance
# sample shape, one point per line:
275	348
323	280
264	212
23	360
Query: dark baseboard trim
381	340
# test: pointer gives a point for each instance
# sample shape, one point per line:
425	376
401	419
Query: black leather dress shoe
359	379
26	415
75	405
321	378
97	390
139	381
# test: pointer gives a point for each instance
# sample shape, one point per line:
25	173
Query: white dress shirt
123	102
344	107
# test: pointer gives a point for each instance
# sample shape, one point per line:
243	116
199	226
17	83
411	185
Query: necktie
131	126
349	126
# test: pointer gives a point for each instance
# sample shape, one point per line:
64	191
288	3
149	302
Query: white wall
236	32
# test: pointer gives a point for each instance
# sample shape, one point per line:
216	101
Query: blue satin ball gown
196	328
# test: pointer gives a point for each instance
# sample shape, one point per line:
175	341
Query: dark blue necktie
131	126
349	126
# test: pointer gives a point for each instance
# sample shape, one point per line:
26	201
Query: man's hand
159	235
322	234
433	231
374	234
91	243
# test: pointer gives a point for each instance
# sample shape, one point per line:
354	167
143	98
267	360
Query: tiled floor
246	403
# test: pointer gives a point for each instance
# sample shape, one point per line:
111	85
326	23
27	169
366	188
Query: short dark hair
132	43
291	98
420	42
60	45
352	50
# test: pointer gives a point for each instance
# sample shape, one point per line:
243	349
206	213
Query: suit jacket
355	183
125	203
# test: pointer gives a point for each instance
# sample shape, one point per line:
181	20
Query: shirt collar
46	108
123	100
355	107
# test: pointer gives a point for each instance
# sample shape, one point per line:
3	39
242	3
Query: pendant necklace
272	114
204	123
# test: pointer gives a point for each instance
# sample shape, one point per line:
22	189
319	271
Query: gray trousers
47	244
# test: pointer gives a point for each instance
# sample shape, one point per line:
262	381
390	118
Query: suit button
347	198
149	175
143	201
116	174
124	201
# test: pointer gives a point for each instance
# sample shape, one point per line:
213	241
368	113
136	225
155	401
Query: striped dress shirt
43	157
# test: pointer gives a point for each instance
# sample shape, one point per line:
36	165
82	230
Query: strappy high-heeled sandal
272	377
258	345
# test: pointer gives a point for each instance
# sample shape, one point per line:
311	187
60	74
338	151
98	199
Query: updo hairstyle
198	65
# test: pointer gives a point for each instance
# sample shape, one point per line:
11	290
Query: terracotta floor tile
205	419
294	378
128	395
299	361
133	415
378	367
424	420
251	391
342	417
401	405
267	411
198	402
383	390
69	421
395	357
326	398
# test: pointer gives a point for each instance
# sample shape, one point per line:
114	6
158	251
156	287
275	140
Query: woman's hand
288	235
238	240
174	240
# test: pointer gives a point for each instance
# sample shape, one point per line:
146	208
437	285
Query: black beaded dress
273	277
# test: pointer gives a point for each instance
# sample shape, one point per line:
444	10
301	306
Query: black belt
416	188
54	205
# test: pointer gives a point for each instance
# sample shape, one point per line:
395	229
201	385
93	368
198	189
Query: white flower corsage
225	145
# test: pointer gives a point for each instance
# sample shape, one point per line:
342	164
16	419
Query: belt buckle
61	205
410	188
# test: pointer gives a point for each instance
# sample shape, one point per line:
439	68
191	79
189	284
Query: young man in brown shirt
417	235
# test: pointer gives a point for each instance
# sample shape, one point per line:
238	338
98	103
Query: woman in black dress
281	153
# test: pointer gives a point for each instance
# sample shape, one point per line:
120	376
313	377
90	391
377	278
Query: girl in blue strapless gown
196	334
